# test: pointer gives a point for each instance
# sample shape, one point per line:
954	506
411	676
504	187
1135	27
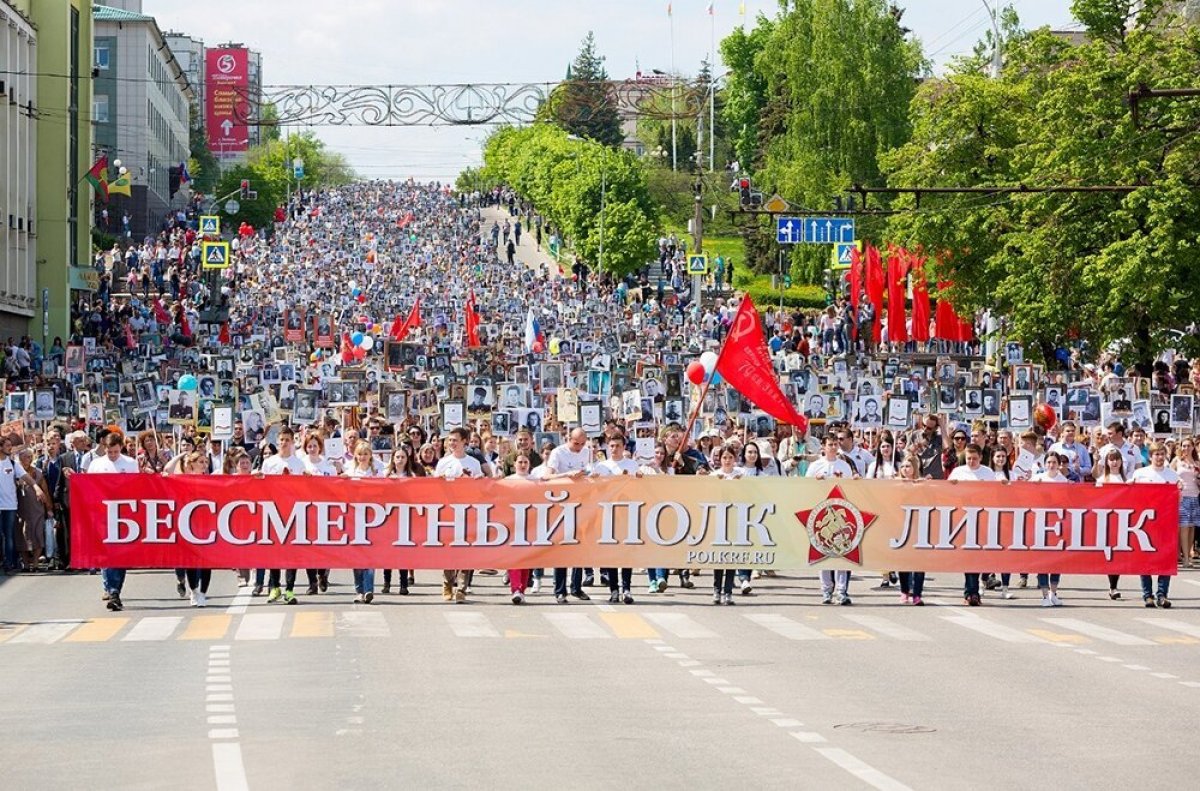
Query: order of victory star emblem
835	528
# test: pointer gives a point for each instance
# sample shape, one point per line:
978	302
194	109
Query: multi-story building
61	222
18	167
189	53
140	112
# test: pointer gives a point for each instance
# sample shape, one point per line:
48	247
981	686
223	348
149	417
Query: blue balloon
356	339
187	382
354	293
716	378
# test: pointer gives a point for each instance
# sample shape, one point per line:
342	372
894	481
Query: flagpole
674	149
687	434
712	91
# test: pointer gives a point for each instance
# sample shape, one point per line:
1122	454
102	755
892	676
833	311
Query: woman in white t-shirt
1156	472
1111	471
1048	583
1185	466
364	465
884	463
315	463
402	464
727	470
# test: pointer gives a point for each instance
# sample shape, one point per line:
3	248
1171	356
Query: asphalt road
671	692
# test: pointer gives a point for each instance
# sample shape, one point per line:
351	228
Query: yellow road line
8	630
628	625
313	624
1176	639
207	627
97	630
849	634
1059	637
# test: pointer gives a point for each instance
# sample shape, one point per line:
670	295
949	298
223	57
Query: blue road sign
814	230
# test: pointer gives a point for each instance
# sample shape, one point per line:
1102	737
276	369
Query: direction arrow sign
214	255
697	265
210	225
789	230
226	127
814	230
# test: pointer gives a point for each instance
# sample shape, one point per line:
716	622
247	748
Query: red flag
966	329
160	313
129	341
920	311
185	329
745	363
945	322
875	290
400	329
855	288
897	268
224	336
471	318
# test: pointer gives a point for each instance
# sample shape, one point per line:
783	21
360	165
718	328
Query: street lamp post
996	55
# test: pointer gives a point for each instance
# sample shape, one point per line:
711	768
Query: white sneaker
535	586
518	597
746	587
1055	601
1007	593
1047	601
200	599
195	601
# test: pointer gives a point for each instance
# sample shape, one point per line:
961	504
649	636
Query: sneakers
201	599
917	601
826	598
588	580
312	589
359	599
460	597
1114	594
114	602
560	598
582	596
991	583
1147	602
518	597
1054	600
972	600
904	598
504	578
1163	602
716	597
1047	601
614	598
274	595
193	597
627	597
653	588
289	597
1023	582
1006	593
535	586
181	589
386	589
661	585
256	590
683	583
447	592
369	597
746	587
403	589
323	582
727	599
845	600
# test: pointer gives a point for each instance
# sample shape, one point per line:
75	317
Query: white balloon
709	361
368	343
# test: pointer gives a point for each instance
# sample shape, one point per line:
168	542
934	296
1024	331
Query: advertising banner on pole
226	108
148	521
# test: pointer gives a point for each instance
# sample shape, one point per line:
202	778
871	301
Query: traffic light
743	185
245	189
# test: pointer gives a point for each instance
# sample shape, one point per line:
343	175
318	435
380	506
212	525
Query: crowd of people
391	330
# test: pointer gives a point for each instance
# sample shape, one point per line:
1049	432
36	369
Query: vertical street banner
226	106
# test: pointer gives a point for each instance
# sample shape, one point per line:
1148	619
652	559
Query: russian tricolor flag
533	331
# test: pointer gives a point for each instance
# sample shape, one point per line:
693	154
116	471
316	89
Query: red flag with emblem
745	363
224	336
160	313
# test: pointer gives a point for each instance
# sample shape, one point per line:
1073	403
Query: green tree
202	165
746	91
270	122
585	104
259	212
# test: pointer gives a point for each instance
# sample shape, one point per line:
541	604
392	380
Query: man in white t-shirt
113	460
1117	441
1156	472
454	465
617	463
832	465
973	470
572	456
10	471
285	462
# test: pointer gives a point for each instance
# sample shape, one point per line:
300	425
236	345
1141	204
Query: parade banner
147	521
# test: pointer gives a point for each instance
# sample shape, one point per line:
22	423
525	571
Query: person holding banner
829	465
572	458
912	583
400	465
1157	472
972	470
315	463
727	470
454	465
1111	470
285	462
364	466
617	463
1048	583
198	580
1185	464
113	461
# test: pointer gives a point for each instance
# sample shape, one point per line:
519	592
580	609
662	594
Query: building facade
140	113
189	54
18	168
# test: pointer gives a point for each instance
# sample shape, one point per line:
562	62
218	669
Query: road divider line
863	771
227	762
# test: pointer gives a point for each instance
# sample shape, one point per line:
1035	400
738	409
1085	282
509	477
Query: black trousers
560	581
289	577
626	579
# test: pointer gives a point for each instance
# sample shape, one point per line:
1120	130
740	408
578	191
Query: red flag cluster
901	264
400	329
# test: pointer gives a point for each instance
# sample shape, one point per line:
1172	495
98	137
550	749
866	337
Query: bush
798	296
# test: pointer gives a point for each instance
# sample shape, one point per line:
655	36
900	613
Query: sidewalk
527	251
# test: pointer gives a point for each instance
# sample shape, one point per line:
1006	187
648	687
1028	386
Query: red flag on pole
897	266
160	313
224	336
185	329
745	363
920	313
472	321
875	290
130	343
400	329
855	288
945	322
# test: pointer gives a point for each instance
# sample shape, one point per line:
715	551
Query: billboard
227	84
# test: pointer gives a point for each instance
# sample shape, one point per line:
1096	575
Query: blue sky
456	41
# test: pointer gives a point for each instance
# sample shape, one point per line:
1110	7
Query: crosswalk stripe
362	624
313	624
470	624
628	625
207	627
679	625
786	627
97	630
984	626
576	626
260	626
1098	632
1065	638
46	632
9	630
1173	625
158	627
887	628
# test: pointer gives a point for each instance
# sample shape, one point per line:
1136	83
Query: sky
424	42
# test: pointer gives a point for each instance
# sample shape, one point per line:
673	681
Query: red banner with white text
146	521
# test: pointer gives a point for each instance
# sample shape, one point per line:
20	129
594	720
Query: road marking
96	631
808	737
362	624
223	733
227	761
849	634
732	690
688	662
218	708
46	632
679	625
222	719
207	627
577	626
749	700
1176	639
312	624
1164	675
676	655
628	625
1174	625
887	628
153	628
716	682
1135	667
984	626
1059	638
8	630
1098	632
865	772
260	626
237	606
218	697
1109	659
470	624
784	722
786	627
1192	684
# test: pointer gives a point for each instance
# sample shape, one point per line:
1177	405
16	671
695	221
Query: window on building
100	109
100	57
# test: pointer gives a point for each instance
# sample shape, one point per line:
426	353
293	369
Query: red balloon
695	372
1045	416
362	298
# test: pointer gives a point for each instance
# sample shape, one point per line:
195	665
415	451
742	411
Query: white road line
767	711
784	722
578	626
1098	632
237	606
749	700
886	627
868	774
260	626
470	624
808	737
688	662
153	628
786	627
732	690
362	624
663	648
1188	581
984	626
218	708
1164	675
1109	659
676	655
218	697
227	761
1175	626
223	733
46	632
679	625
1192	684
222	719
716	681
1135	667
218	688
701	673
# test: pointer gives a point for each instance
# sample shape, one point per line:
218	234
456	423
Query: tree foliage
584	104
1100	267
202	165
564	178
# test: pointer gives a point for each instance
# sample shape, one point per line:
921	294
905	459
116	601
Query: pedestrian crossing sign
841	253
697	265
214	255
210	225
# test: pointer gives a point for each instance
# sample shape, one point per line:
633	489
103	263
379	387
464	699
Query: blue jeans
1164	585
364	580
1046	580
723	580
113	580
8	530
654	575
